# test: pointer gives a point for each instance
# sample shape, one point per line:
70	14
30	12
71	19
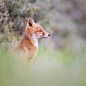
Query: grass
48	68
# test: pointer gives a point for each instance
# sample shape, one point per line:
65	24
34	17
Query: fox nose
48	34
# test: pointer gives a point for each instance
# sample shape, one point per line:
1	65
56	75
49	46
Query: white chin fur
41	36
45	36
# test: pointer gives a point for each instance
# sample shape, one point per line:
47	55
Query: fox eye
40	30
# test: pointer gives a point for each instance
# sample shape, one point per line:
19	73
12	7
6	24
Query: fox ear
29	22
26	21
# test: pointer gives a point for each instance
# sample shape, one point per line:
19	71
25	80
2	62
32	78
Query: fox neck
32	38
35	40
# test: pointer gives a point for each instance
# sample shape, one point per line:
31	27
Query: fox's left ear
29	22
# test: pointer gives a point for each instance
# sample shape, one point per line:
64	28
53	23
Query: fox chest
30	52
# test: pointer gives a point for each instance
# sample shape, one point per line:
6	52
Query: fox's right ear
29	22
26	20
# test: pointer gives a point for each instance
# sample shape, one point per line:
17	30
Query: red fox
29	43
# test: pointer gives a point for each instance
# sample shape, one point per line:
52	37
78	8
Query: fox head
35	29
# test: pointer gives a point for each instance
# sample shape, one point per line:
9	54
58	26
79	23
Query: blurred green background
61	58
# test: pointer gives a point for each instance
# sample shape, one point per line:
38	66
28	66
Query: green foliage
12	17
13	14
4	26
19	10
48	68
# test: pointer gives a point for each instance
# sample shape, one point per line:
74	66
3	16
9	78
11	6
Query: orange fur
29	43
